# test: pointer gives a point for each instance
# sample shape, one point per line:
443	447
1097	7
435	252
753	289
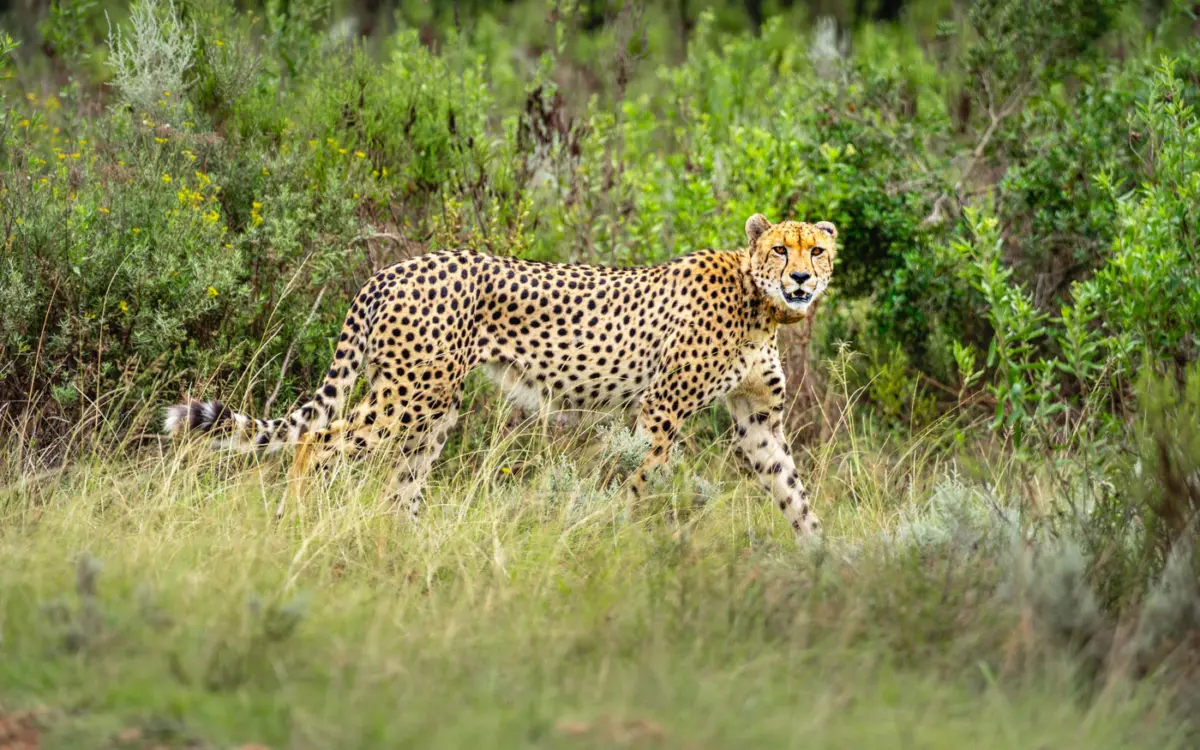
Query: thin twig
287	357
995	118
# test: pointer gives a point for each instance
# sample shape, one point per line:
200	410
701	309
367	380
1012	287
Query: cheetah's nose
800	277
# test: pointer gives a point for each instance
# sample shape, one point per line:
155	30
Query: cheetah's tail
236	432
244	434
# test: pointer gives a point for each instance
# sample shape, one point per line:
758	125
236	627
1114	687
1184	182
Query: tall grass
150	592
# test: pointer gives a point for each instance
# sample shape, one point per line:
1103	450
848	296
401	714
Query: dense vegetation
998	405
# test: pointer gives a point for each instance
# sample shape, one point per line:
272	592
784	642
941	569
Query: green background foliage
191	192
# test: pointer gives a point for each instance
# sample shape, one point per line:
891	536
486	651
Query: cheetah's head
792	261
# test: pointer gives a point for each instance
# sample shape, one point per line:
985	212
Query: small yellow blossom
312	143
83	141
136	230
203	178
124	306
52	102
160	140
228	246
342	151
212	292
190	198
360	154
212	217
31	96
218	42
385	171
23	123
167	94
75	155
189	124
166	178
266	172
102	210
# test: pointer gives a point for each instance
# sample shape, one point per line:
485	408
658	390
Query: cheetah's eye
817	251
780	250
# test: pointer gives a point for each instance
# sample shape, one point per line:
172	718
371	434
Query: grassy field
152	599
1003	375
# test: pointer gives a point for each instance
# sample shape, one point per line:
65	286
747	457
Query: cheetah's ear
828	228
755	226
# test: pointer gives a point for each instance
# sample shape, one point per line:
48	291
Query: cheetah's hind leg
421	447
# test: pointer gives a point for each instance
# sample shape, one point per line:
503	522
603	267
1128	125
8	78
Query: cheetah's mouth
798	297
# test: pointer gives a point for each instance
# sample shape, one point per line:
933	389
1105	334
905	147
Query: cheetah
663	341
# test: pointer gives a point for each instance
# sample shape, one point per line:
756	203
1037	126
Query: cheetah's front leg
758	413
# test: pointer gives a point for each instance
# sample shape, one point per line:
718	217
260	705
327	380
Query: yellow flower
212	217
385	171
166	178
23	124
167	94
266	172
189	124
75	155
190	198
360	154
136	230
160	140
505	470
256	205
124	306
61	156
212	292
31	97
342	151
204	179
52	102
102	210
312	143
20	220
83	141
228	246
218	42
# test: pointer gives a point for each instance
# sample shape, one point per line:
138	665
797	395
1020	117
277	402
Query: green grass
158	593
